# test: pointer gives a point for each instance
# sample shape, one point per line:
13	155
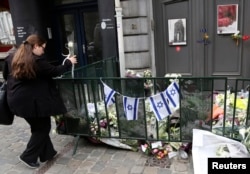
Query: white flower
147	73
173	75
130	73
242	132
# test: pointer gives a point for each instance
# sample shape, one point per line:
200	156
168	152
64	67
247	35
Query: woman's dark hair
23	63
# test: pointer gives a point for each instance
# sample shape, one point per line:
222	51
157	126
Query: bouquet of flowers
161	150
156	149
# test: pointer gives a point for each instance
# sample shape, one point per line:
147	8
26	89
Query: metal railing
199	98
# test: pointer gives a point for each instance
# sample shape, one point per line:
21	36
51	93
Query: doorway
79	32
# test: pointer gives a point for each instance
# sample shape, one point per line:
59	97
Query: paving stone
13	172
105	157
91	158
128	162
96	153
133	155
87	164
111	151
164	171
108	170
180	167
141	162
81	157
97	168
6	167
81	171
150	170
66	170
74	164
27	172
123	170
137	170
119	155
63	160
56	168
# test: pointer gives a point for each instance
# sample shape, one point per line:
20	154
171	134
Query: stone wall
137	37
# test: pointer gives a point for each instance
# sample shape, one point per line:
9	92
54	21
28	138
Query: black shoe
30	165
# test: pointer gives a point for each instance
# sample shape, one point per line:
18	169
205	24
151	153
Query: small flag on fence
173	95
130	107
159	106
109	95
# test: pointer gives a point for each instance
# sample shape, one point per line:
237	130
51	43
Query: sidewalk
88	159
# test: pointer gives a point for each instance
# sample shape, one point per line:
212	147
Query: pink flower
154	151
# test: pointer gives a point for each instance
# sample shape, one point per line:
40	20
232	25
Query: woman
32	95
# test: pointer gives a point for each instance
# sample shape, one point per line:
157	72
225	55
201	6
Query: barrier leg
76	144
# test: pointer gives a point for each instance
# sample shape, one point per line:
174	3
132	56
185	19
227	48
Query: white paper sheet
205	145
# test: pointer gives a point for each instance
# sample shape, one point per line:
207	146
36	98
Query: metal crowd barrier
205	103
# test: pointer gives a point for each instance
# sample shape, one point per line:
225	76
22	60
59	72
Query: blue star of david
129	107
159	104
172	92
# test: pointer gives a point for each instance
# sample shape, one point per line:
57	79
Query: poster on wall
177	31
227	18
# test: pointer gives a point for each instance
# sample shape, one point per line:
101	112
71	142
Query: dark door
173	56
226	56
78	28
205	51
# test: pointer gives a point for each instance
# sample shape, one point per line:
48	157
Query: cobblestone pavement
88	159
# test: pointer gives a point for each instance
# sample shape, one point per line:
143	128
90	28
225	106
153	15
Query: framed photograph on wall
177	33
227	19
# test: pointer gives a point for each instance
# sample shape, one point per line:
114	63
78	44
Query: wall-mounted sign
177	31
227	18
107	24
21	32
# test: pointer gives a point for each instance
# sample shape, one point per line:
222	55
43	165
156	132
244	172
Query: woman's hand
73	59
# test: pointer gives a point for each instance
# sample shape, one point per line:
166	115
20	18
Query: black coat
38	97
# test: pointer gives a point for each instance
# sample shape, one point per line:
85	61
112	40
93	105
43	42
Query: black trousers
39	145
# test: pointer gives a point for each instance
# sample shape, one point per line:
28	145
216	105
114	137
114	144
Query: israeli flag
109	95
130	106
159	105
173	95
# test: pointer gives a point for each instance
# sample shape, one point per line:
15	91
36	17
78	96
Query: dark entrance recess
80	24
75	28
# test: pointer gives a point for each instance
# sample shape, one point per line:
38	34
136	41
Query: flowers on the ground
156	149
161	149
107	120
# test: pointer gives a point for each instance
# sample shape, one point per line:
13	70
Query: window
6	29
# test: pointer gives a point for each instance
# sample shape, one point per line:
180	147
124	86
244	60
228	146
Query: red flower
245	37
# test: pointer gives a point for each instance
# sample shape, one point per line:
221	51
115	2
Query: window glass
6	29
69	36
92	36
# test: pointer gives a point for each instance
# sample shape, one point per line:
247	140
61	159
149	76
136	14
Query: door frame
76	10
